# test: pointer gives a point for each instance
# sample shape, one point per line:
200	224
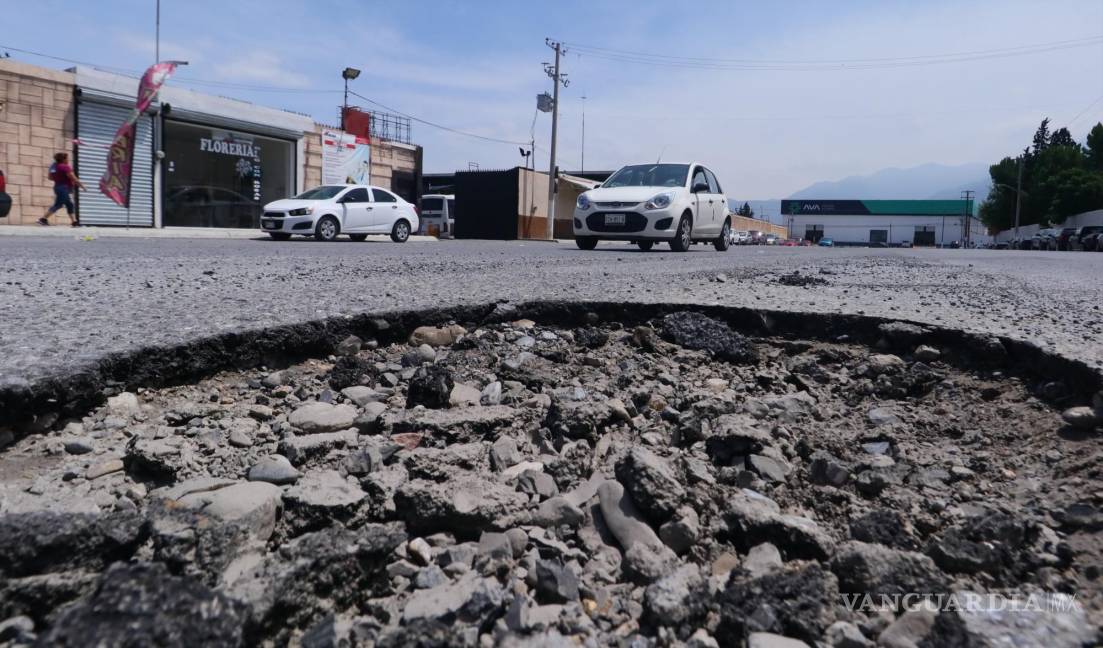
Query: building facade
884	222
36	121
199	160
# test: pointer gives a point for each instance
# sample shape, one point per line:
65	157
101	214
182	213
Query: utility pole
157	36
557	78
1018	197
967	224
583	169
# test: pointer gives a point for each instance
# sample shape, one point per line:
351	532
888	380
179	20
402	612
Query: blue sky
476	66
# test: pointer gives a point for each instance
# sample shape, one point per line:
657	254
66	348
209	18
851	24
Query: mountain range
924	182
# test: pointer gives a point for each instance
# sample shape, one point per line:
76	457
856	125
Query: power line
1083	112
436	125
663	60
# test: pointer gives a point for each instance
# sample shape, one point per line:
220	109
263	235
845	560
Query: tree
1074	191
1062	137
1095	147
1041	136
745	210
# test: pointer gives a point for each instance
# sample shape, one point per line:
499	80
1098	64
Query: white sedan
329	211
648	203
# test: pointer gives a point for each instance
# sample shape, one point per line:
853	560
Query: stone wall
36	121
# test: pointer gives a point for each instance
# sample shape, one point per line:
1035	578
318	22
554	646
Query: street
70	302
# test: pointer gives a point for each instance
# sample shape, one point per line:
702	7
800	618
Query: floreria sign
227	147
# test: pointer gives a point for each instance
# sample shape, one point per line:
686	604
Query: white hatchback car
329	211
649	203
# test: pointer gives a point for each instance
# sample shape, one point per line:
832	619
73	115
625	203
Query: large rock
651	482
799	603
1033	619
321	498
431	386
312	575
253	505
453	425
436	336
555	582
276	469
302	450
579	419
700	332
161	459
466	504
876	570
733	437
143	605
39	543
676	598
470	600
646	558
753	519
317	417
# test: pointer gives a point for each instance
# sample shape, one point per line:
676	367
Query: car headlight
661	201
301	211
583	202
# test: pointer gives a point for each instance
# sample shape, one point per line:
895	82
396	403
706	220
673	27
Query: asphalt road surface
67	302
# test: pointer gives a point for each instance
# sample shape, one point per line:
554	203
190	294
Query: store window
215	177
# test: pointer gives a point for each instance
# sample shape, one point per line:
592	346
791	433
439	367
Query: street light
346	74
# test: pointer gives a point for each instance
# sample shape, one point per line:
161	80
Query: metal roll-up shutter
96	126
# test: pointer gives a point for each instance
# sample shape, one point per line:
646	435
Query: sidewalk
65	231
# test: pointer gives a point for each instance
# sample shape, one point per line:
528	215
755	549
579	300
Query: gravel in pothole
517	484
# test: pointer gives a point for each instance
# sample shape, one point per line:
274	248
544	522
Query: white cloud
262	67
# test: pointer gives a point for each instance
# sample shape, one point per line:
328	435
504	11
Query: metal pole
345	105
1018	197
157	36
583	170
555	125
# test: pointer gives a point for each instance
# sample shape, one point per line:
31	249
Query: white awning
582	183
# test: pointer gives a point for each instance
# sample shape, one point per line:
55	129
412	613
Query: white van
438	215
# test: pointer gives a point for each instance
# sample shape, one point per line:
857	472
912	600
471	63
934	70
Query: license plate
614	219
271	225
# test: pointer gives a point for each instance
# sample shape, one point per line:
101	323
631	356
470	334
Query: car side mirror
700	187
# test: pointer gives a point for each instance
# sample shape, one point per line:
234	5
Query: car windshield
649	175
324	192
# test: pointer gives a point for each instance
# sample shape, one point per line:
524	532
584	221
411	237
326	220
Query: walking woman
65	182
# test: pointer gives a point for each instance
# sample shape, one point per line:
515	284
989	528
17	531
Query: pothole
649	480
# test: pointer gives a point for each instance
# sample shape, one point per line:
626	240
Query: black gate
486	204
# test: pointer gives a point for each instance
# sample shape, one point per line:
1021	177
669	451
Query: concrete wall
744	224
36	121
856	228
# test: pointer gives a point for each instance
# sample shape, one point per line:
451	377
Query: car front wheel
723	241
400	232
585	242
327	229
683	238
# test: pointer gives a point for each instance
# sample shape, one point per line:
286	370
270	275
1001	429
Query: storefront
216	177
200	160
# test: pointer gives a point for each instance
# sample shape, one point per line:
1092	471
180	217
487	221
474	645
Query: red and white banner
115	184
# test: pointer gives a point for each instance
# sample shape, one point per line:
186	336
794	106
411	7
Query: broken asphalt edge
30	407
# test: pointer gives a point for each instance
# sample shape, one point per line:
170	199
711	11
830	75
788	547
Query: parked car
1062	239
5	199
789	243
678	204
756	237
770	239
329	211
438	212
740	237
1080	239
827	242
807	243
1041	240
1093	241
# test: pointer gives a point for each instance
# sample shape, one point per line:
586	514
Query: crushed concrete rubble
674	483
